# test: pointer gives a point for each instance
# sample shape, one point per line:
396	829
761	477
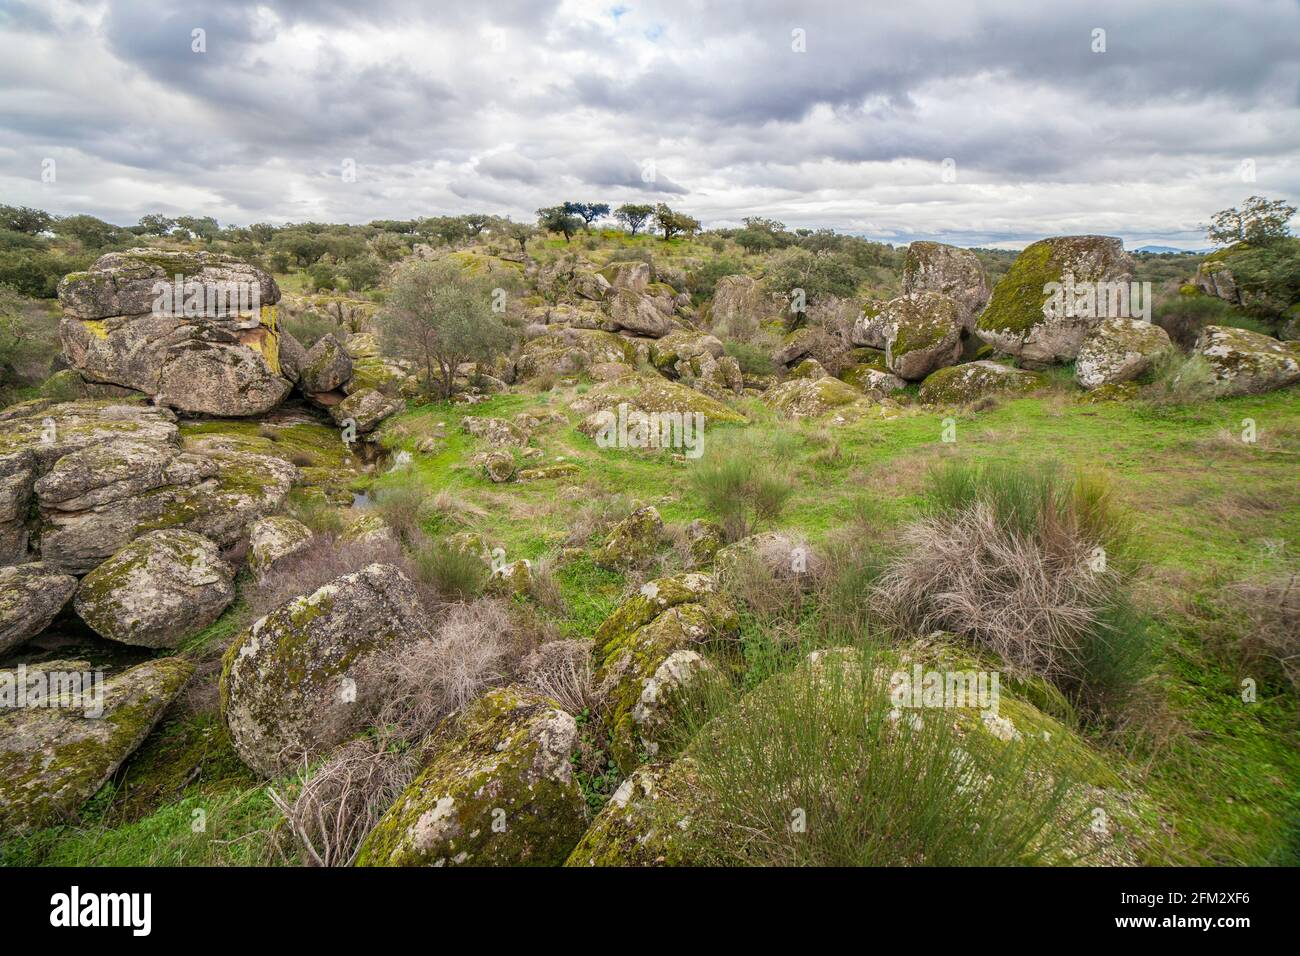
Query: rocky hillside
649	583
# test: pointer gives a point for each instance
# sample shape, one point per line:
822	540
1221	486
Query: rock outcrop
195	331
1247	363
919	333
499	791
295	683
956	273
1118	350
1024	319
963	384
161	588
31	596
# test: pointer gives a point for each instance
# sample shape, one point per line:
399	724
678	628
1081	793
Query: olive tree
439	318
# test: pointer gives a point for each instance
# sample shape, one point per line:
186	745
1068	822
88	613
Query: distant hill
1161	250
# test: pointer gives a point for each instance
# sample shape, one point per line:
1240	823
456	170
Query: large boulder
1118	350
499	791
647	392
1022	317
813	397
1214	277
365	410
920	332
738	306
160	589
963	384
634	312
628	275
497	432
274	540
326	367
54	755
1245	362
648	656
564	351
213	349
31	595
295	684
956	273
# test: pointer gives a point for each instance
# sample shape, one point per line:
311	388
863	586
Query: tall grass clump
816	768
1178	379
744	480
1031	564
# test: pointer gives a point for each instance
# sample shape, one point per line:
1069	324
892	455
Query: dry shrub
596	514
562	671
323	559
1031	565
338	804
544	587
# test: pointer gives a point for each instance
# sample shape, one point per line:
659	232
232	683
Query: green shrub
815	768
744	481
1178	379
753	359
1184	316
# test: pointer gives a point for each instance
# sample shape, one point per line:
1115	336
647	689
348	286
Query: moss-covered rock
919	332
795	345
956	273
327	366
498	791
779	554
564	469
636	313
497	432
564	351
872	380
55	755
365	410
633	541
812	397
1020	320
1119	350
652	393
31	595
963	384
161	588
296	683
1247	363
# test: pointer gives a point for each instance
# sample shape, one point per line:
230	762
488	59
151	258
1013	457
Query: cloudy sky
981	124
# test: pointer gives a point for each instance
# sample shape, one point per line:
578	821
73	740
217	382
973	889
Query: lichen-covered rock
628	275
372	369
272	541
498	791
704	539
921	332
636	313
653	393
571	278
511	579
812	397
1020	319
1214	277
873	381
327	367
632	541
17	475
956	273
962	384
208	488
666	352
680	613
497	432
53	757
564	469
1247	363
365	409
124	283
738	306
498	466
157	591
31	595
296	684
795	345
652	819
1118	350
808	368
214	354
564	351
367	526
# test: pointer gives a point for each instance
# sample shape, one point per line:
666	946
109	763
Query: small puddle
360	499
